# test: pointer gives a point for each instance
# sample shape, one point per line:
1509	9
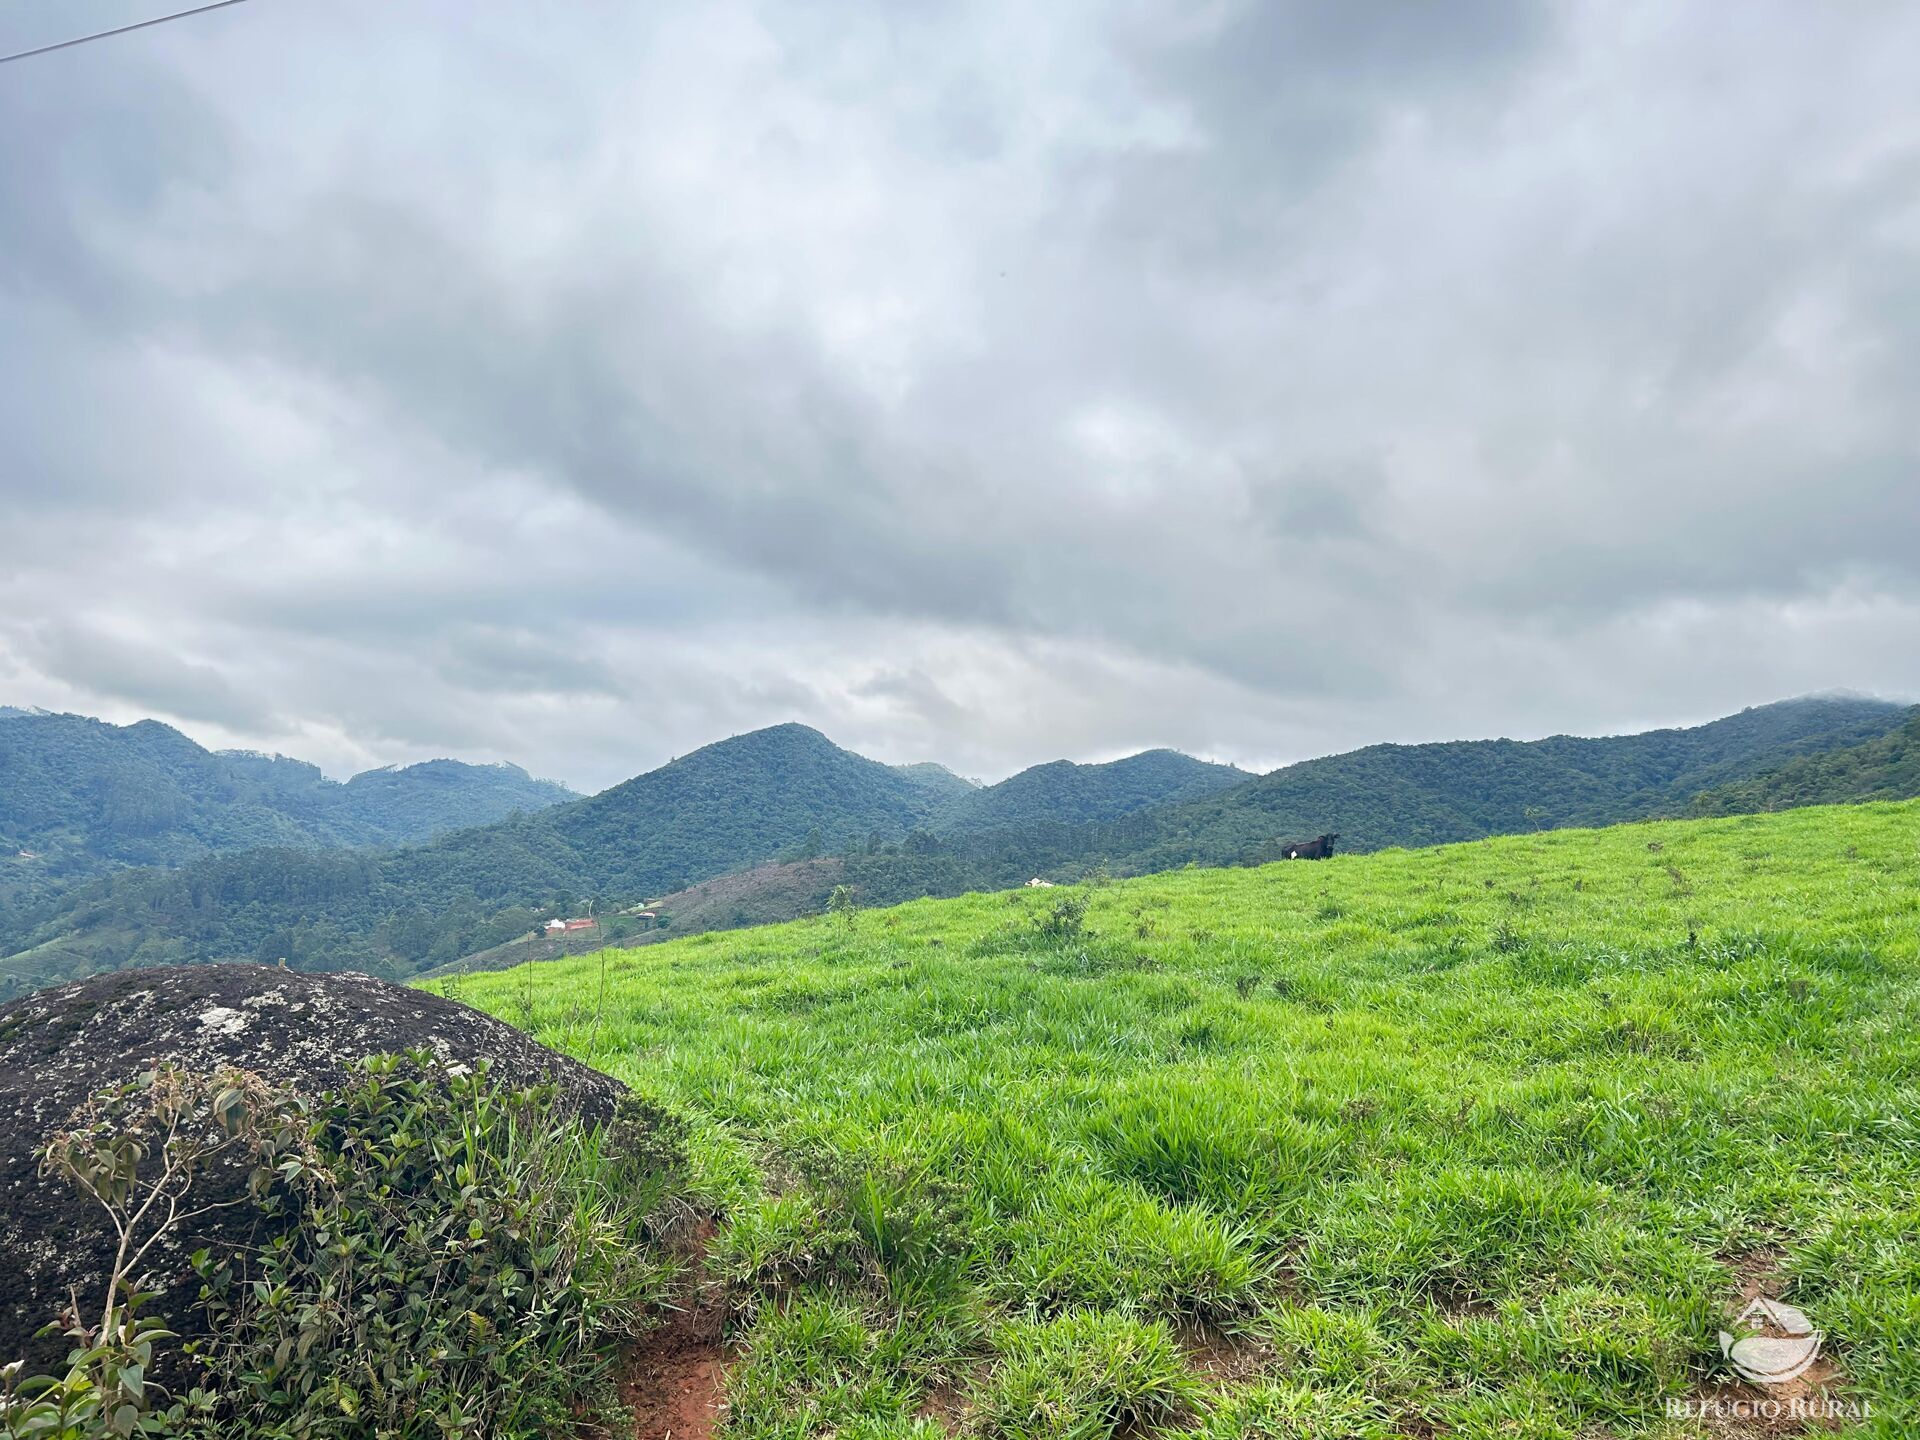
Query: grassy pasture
1474	1141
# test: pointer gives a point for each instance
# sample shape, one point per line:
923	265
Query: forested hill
784	789
787	789
1464	790
79	796
1065	793
1884	768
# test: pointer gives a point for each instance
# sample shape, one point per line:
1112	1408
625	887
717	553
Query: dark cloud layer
986	385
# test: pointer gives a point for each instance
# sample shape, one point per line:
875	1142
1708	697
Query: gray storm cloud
979	385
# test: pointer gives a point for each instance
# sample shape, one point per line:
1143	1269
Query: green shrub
844	906
1063	921
446	1257
1060	926
462	1253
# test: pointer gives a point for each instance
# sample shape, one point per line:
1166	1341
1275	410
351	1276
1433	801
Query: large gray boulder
60	1046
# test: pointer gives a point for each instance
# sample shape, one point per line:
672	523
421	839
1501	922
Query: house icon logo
1777	1343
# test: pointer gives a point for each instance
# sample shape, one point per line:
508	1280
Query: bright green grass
1465	1139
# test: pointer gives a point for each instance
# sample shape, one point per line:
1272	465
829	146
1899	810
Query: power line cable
122	30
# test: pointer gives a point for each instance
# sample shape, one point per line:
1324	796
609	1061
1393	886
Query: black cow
1318	848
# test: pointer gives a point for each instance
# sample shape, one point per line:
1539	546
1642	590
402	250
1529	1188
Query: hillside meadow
1477	1141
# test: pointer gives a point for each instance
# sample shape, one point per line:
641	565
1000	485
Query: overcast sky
577	384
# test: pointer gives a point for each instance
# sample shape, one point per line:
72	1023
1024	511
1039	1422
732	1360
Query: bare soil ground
675	1383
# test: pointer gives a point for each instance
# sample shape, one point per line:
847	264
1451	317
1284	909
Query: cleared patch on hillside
763	895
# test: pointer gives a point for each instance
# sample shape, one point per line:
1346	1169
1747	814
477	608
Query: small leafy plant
844	906
137	1150
447	1257
105	1391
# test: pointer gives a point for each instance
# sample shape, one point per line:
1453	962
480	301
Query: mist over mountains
134	846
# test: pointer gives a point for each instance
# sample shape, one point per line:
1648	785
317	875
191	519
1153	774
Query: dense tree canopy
1884	768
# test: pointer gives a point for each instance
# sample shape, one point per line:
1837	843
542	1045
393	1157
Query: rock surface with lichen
60	1046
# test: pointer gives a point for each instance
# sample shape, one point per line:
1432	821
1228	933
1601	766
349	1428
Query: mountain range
79	796
174	853
1468	789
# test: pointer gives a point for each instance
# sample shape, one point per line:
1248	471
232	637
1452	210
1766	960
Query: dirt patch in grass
946	1406
675	1377
1222	1359
676	1380
1757	1272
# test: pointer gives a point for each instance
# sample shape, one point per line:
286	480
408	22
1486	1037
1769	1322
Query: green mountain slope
1465	790
1068	793
745	799
81	796
1065	793
1393	795
937	780
1884	768
787	789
